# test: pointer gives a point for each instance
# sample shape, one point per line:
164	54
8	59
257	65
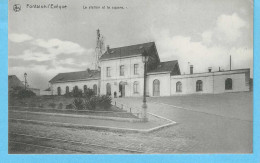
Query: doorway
122	89
59	91
156	87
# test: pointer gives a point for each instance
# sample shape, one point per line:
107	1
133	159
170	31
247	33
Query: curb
70	125
82	116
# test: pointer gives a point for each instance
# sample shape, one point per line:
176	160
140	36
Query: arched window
76	88
228	84
156	87
136	87
67	90
59	91
178	87
108	89
95	89
199	85
85	88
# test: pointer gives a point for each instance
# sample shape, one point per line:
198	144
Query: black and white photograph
130	76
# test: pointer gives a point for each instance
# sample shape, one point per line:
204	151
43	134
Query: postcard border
180	158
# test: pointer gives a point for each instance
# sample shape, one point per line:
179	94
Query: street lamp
25	81
144	107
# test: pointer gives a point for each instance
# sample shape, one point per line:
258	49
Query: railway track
68	146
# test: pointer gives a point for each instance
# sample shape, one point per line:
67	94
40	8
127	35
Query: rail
61	140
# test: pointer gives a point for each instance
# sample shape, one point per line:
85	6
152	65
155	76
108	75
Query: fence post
115	103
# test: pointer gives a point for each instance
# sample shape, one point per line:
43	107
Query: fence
133	110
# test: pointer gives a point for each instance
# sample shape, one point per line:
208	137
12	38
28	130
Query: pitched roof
166	67
126	51
14	81
79	75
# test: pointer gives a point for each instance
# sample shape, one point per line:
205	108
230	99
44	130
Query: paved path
214	133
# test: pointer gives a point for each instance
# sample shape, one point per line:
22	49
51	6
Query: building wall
129	87
240	82
189	84
80	85
44	93
129	77
165	84
213	82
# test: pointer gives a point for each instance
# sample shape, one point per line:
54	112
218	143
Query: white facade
212	82
122	73
164	81
128	78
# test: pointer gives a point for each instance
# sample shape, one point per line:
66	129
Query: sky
204	33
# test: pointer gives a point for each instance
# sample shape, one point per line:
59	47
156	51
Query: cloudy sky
204	33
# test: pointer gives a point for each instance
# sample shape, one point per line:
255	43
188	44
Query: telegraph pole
99	49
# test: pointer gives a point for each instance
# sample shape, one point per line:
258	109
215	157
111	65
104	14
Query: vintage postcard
130	77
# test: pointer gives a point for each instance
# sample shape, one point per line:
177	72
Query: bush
60	106
91	103
89	93
102	102
52	105
77	92
13	92
25	93
95	102
78	104
105	102
68	94
69	106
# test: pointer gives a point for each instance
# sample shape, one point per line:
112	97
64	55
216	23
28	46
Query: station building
122	73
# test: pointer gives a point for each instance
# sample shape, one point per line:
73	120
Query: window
76	89
136	85
199	85
95	89
108	72
85	88
136	69
228	84
122	70
59	91
108	89
67	90
178	87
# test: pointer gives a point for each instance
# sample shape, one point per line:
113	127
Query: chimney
230	63
108	48
218	68
210	68
191	69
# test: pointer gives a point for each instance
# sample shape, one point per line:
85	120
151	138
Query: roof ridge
79	71
168	61
132	45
